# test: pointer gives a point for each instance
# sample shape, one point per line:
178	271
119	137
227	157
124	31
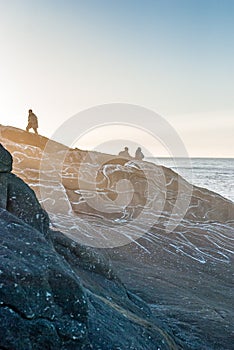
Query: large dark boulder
62	295
42	301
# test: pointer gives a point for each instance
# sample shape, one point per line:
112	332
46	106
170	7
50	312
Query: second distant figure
32	121
139	155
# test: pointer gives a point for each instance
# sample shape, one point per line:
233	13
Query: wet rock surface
57	294
194	300
61	295
166	290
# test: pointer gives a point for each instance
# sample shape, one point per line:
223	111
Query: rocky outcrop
42	302
58	294
65	296
162	290
89	175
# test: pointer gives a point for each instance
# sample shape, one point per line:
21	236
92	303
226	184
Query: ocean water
215	174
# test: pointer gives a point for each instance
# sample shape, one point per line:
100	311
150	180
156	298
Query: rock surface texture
113	276
57	294
60	295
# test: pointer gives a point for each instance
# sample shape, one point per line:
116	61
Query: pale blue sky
173	56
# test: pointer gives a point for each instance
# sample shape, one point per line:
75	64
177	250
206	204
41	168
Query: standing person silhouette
139	155
32	121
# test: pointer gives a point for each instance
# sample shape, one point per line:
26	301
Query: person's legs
35	130
28	126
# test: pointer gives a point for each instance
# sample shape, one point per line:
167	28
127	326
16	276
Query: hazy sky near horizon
175	57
